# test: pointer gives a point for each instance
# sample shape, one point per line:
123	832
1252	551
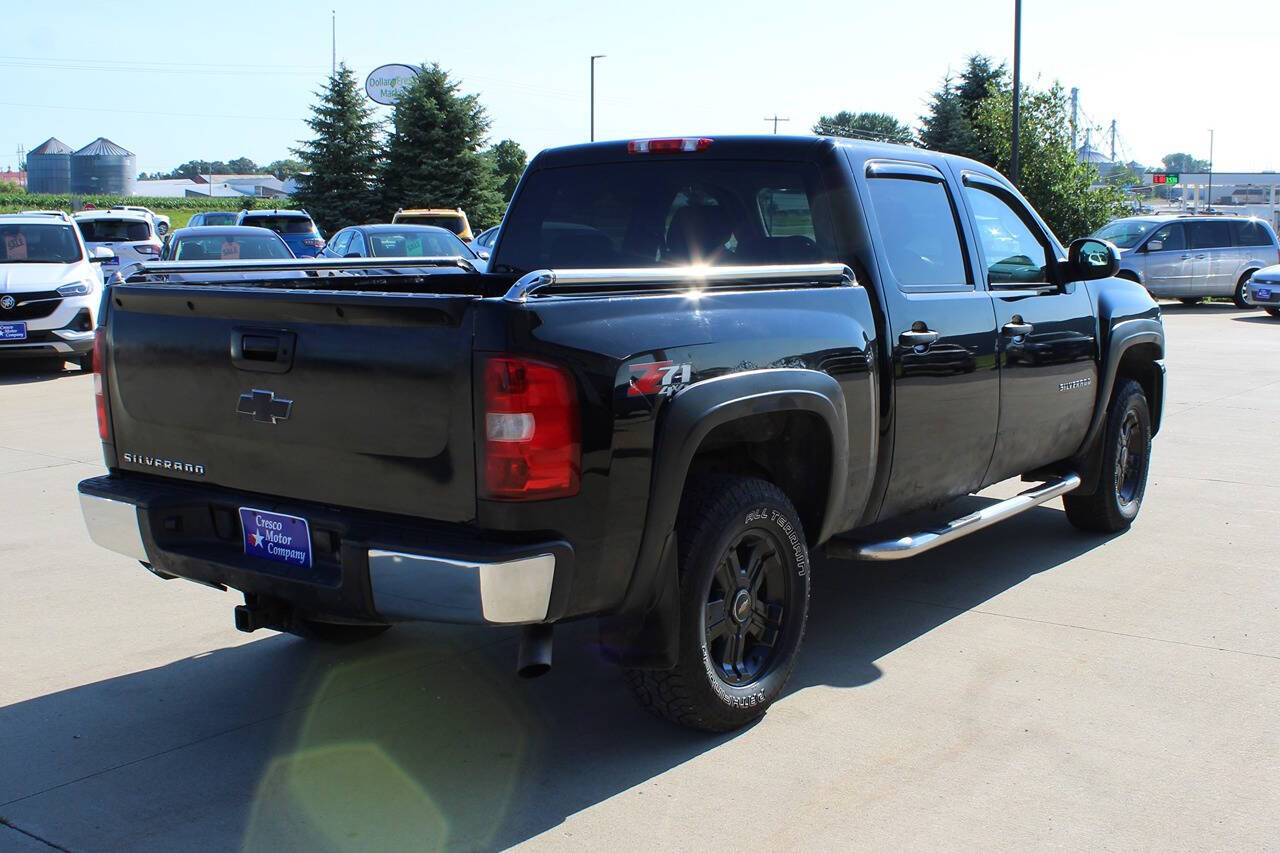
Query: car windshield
231	247
668	212
451	222
114	230
282	224
417	243
219	219
38	244
1126	233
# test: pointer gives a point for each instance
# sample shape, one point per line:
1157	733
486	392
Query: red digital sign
1159	178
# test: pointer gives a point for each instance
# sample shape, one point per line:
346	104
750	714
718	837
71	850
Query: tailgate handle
262	350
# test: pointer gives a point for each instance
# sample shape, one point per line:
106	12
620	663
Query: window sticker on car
413	248
15	246
230	250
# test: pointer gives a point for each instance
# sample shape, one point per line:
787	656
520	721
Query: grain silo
49	168
103	168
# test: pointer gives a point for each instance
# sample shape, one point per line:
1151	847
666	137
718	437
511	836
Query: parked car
225	243
1192	257
662	398
442	217
1263	290
50	287
485	239
58	214
213	217
131	236
295	226
399	241
161	221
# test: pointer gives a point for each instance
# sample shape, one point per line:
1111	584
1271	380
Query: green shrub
29	201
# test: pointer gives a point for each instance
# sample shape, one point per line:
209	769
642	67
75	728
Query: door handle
1016	330
918	338
1187	257
1200	257
263	350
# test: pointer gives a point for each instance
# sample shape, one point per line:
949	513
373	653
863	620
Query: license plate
13	331
1262	292
112	262
276	537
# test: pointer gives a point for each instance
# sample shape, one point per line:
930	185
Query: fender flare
691	416
641	633
1124	336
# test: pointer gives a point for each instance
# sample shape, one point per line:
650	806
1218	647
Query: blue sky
181	81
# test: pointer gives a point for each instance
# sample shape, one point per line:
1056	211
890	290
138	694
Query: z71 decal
658	377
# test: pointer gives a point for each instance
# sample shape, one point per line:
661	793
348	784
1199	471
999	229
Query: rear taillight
100	382
686	144
313	242
147	249
531	446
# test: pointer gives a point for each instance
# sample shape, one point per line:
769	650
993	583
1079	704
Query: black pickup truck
692	364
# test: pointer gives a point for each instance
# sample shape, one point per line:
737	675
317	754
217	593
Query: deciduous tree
878	127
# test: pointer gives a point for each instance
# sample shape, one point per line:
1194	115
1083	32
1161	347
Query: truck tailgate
352	399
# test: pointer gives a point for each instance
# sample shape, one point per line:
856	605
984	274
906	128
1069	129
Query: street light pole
593	94
1208	202
1017	88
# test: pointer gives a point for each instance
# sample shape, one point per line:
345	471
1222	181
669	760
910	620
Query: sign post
384	83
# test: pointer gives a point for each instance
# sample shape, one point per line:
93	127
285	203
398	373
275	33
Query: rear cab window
668	212
282	224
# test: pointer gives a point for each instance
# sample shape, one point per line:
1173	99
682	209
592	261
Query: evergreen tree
433	158
339	165
507	159
949	124
1067	193
878	127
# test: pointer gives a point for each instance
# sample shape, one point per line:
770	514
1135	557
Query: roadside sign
1167	178
385	82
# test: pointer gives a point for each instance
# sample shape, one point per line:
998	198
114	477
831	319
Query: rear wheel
1238	296
744	601
1126	455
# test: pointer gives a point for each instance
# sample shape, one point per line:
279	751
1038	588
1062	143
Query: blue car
295	226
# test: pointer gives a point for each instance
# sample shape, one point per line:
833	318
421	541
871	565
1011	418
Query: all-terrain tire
1126	456
744	602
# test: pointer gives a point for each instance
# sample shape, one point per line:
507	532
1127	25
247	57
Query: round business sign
385	83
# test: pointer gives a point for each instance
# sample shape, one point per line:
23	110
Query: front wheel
744	602
1126	455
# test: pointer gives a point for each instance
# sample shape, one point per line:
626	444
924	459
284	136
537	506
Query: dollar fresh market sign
385	83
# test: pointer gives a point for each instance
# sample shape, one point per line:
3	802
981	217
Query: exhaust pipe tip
534	657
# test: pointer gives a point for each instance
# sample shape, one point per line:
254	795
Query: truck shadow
425	738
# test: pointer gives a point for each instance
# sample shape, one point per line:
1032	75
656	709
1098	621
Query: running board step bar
910	546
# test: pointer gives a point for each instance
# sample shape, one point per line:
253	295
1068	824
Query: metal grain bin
103	168
49	168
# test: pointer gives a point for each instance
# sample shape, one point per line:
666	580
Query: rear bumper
365	567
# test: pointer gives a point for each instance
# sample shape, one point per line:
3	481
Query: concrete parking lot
1030	686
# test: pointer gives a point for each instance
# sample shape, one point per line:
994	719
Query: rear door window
1250	233
1209	235
667	212
919	231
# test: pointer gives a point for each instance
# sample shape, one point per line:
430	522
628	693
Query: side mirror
484	256
100	254
1090	258
1155	246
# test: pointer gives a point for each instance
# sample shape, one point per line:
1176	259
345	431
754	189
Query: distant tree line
429	154
282	169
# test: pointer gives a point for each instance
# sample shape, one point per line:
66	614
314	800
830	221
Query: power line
144	112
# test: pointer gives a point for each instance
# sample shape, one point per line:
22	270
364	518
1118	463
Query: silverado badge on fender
264	406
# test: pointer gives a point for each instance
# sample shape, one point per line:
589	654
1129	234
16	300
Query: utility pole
775	119
1075	114
1017	88
593	94
1208	202
1113	140
334	28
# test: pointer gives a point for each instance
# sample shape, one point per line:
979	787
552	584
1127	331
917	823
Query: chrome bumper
405	586
113	525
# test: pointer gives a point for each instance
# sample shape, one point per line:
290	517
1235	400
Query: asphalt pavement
1029	686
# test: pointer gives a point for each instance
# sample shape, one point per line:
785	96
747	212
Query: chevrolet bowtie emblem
264	406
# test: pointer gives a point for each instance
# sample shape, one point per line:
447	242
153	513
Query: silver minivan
1191	257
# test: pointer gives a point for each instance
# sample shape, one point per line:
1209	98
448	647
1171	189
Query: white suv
50	286
130	235
161	221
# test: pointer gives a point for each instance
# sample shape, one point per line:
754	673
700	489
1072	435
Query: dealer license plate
276	537
13	331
